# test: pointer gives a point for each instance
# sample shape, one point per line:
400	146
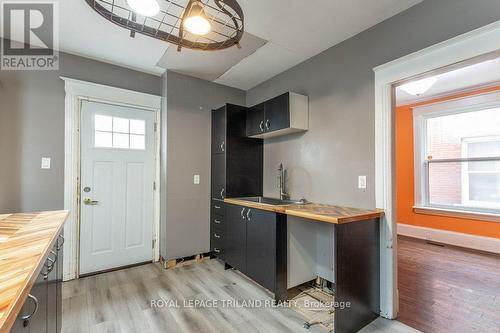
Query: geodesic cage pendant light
207	25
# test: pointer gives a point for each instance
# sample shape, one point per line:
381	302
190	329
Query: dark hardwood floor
448	289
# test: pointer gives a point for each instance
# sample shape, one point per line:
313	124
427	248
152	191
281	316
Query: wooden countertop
313	211
25	242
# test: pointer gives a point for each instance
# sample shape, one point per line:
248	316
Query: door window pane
137	127
120	125
121	133
137	142
120	140
103	123
103	139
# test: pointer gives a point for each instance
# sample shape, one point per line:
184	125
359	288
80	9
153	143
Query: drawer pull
216	236
217	221
60	245
217	207
26	318
216	250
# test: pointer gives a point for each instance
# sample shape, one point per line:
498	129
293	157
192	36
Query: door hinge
156	127
154	186
153	243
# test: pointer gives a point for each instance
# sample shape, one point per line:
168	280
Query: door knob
90	202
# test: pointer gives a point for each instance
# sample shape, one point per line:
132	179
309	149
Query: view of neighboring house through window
458	154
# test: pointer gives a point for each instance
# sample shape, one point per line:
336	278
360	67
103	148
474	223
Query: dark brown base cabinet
255	244
42	311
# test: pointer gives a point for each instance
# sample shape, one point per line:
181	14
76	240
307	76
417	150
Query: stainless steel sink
274	201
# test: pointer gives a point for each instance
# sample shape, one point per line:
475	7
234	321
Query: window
120	133
457	154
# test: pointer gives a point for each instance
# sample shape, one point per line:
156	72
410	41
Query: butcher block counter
26	240
313	211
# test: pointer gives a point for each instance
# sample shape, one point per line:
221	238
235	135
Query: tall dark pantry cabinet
236	169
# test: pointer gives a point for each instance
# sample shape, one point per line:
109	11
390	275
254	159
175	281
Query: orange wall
405	180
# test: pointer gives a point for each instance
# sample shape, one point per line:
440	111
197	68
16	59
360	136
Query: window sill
489	217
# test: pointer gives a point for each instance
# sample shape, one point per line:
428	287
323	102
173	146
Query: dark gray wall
324	162
32	126
186	207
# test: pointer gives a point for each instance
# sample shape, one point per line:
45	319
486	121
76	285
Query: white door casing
117	229
479	42
77	91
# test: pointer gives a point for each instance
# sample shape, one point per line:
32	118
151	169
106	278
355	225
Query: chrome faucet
282	183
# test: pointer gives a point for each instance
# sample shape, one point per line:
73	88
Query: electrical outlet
196	179
362	182
45	162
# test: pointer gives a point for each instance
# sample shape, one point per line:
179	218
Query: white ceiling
295	30
464	78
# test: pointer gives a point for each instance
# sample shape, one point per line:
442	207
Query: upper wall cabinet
284	114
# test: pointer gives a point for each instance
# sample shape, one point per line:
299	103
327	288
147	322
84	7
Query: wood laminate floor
448	289
119	301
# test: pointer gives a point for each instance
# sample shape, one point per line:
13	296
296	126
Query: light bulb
144	7
196	22
418	87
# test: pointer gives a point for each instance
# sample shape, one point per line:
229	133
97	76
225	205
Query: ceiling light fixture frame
226	18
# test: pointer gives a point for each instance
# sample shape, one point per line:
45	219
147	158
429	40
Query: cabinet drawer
217	207
217	222
216	235
216	247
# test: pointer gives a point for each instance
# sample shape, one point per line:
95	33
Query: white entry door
117	175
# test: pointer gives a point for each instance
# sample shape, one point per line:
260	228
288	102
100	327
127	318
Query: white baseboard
488	244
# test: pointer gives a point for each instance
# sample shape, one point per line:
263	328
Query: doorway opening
111	178
447	196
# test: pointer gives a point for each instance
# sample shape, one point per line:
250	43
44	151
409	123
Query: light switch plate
45	162
362	182
196	179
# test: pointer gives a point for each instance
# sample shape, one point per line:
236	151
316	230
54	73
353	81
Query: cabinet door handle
217	221
261	125
268	124
59	246
222	193
217	207
216	250
26	318
216	236
243	213
249	215
222	146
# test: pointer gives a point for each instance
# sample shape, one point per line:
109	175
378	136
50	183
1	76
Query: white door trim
76	91
464	47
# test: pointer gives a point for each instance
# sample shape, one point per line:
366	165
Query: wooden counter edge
12	311
256	205
289	210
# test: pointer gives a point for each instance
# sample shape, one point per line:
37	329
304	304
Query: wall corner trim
481	243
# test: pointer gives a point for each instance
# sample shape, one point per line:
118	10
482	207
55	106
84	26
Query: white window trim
77	91
420	116
476	43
